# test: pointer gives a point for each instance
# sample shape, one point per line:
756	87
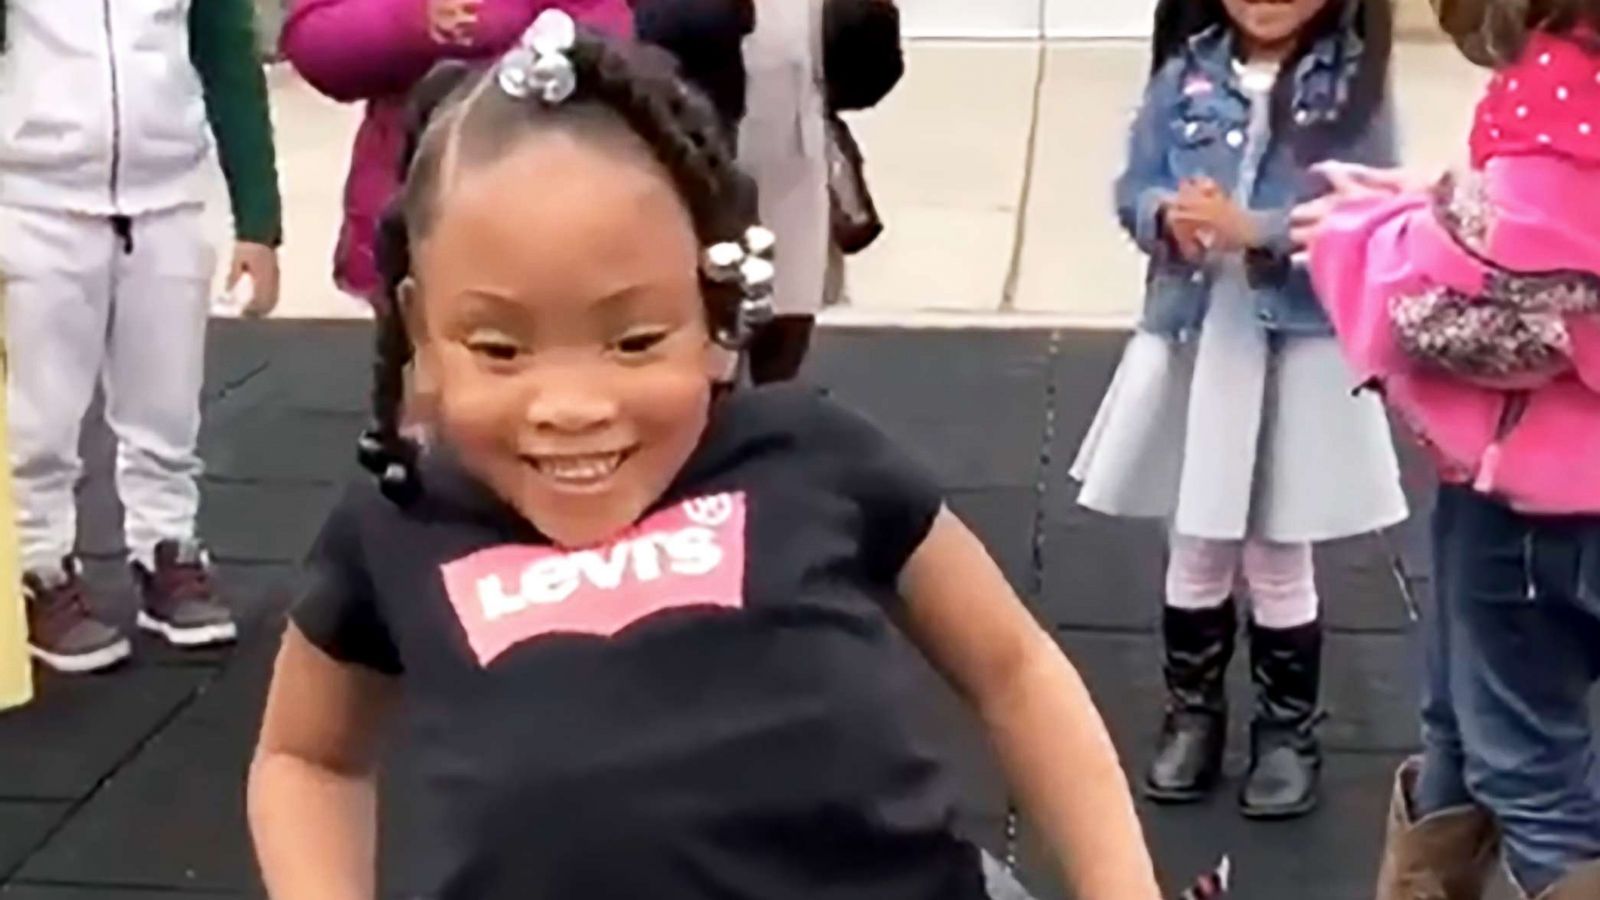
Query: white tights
1281	582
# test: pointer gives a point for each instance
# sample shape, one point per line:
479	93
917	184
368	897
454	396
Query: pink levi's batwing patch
689	555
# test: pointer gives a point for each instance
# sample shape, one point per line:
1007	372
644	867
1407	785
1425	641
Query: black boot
1189	756
1285	758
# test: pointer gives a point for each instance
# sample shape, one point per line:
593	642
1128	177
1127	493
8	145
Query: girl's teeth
581	468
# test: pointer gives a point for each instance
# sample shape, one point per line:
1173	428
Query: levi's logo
689	555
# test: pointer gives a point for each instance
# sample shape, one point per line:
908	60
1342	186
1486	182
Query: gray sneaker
63	632
179	602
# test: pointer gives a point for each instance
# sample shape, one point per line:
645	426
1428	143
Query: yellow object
16	675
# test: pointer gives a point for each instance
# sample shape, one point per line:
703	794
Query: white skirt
1241	434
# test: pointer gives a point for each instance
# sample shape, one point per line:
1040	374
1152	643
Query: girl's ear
409	309
722	364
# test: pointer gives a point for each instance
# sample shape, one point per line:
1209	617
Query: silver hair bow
540	65
748	265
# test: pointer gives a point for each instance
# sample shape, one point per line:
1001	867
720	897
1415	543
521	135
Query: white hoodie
101	111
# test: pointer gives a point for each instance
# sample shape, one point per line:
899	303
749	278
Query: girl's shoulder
807	418
816	437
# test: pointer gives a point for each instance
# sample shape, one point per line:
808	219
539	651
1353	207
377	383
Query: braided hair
459	116
1372	21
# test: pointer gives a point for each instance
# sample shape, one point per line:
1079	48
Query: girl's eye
494	350
640	342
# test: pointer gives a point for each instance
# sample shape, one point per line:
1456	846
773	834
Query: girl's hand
1215	218
1184	237
1307	218
1352	180
453	22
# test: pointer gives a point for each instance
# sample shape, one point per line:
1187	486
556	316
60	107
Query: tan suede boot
1580	884
1445	856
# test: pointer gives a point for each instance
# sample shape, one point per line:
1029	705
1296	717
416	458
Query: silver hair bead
540	65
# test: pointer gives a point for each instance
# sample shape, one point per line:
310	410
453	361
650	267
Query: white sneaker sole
189	638
84	663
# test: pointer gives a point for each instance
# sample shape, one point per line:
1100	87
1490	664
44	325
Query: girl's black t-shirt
708	707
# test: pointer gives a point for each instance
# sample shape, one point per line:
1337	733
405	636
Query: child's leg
1442	782
1198	626
1525	653
1286	665
58	271
155	373
1283	584
1436	835
1201	574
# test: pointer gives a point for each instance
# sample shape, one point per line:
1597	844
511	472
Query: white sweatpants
85	305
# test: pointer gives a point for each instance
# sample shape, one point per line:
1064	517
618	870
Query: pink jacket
1537	217
376	50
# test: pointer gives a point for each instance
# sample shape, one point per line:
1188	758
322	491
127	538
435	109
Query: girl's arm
1051	741
1269	262
359	49
312	802
1148	183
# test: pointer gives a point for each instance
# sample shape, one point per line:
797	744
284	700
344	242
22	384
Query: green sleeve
222	46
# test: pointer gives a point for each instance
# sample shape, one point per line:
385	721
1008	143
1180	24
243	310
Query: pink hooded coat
376	50
1542	220
1536	148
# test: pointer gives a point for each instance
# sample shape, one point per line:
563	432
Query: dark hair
1372	21
1494	32
462	113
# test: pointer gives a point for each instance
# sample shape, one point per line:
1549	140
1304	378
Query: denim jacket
1195	121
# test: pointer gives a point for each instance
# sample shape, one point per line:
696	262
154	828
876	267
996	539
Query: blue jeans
1513	651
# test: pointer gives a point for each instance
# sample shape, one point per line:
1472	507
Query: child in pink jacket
1473	305
376	51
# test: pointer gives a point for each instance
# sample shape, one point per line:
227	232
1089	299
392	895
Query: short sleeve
338	610
898	497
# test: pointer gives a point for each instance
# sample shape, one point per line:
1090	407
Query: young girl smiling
642	624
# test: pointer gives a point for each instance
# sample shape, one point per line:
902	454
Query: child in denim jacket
1232	415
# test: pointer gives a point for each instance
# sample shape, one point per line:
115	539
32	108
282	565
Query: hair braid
383	449
687	137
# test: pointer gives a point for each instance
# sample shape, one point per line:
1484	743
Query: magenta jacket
1542	456
1520	228
375	51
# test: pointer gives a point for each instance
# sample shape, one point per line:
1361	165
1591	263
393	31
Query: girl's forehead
555	219
560	196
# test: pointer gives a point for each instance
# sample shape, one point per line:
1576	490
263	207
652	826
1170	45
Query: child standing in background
1473	304
777	70
103	134
375	51
1231	415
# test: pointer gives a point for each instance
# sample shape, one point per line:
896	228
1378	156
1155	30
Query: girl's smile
585	473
